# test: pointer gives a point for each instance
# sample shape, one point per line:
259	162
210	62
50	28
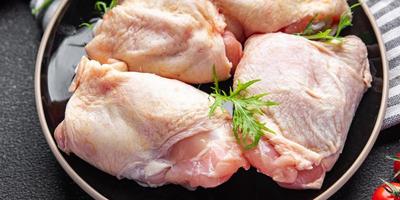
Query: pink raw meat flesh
318	87
247	17
179	39
147	128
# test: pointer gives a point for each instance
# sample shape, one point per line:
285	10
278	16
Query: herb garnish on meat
328	35
247	129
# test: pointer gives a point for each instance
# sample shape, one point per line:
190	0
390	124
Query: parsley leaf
246	127
328	35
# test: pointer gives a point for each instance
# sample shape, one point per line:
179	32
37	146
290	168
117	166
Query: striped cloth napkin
387	14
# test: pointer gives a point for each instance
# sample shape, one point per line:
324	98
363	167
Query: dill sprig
246	127
328	35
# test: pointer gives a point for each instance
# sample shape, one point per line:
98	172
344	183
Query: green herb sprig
87	25
391	189
101	7
328	35
308	30
396	159
44	5
246	127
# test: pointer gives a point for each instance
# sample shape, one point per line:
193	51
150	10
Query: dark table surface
28	169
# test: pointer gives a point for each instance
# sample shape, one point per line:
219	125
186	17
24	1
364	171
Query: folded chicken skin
147	128
246	17
318	87
179	39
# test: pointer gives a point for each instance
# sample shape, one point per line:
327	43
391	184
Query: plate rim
96	195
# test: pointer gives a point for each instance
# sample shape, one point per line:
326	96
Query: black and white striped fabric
387	14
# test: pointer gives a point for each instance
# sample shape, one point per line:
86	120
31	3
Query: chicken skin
246	17
179	39
147	128
318	87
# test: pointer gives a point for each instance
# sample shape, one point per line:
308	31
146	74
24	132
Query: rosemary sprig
44	5
246	127
328	35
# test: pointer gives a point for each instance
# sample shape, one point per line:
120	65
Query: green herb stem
87	25
102	8
328	35
246	127
391	188
44	5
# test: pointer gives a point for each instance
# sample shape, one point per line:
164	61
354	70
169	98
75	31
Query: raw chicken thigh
147	128
246	17
180	39
318	87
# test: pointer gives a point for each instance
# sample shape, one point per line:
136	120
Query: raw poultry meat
147	128
318	87
180	39
246	17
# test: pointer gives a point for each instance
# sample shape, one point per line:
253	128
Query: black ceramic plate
62	48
